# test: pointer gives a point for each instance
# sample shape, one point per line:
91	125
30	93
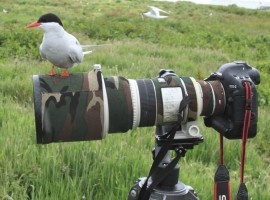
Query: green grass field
191	42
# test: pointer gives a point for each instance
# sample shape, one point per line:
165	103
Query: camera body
232	76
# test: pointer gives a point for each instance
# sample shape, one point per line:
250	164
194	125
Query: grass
190	42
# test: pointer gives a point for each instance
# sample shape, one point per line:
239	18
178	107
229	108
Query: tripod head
162	181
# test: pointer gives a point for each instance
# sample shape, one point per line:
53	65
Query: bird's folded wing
75	55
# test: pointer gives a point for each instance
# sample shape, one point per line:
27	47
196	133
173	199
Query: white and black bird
59	47
155	13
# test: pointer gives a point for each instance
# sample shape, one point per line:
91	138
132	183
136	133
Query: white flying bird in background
155	13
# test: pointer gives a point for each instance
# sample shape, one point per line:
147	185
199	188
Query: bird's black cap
50	17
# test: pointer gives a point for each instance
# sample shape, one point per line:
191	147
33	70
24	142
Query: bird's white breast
60	48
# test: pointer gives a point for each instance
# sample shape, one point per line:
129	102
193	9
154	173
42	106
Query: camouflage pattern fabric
69	109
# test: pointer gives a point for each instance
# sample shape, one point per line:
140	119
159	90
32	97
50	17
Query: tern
59	47
154	12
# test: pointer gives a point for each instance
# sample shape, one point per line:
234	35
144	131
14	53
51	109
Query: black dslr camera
232	76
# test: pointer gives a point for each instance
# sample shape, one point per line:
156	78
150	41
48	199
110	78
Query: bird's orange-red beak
33	24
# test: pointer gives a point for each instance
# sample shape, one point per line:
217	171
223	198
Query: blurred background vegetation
194	41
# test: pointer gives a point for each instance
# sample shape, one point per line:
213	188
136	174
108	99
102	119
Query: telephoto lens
88	106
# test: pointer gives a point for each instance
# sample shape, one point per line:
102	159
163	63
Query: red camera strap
242	193
222	178
222	189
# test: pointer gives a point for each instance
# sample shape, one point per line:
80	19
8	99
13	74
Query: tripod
162	182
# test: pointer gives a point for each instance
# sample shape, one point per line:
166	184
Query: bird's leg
51	72
64	73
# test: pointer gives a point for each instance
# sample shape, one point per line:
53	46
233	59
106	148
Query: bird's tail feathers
92	45
87	52
85	47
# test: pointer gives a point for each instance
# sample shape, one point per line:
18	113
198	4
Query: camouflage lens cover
69	109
